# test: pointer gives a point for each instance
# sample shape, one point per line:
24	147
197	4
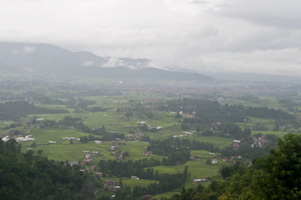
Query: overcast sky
207	35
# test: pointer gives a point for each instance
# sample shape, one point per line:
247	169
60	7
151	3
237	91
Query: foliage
232	130
282	169
275	176
207	112
171	145
14	110
33	176
248	150
77	123
129	168
167	183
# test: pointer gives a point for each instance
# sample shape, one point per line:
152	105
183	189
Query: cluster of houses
151	128
112	185
147	152
86	161
236	144
256	142
98	175
130	137
214	159
117	141
88	157
187	115
195	158
259	142
119	155
35	123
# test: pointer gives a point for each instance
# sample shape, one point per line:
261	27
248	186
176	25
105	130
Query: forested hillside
32	176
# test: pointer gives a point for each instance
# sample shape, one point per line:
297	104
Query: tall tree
283	169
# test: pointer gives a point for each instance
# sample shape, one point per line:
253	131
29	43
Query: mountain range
50	60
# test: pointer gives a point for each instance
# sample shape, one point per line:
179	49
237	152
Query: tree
208	161
282	169
33	144
185	172
40	152
29	176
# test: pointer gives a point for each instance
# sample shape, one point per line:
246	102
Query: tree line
14	110
206	111
77	123
167	182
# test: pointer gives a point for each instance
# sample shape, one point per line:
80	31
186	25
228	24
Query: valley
168	132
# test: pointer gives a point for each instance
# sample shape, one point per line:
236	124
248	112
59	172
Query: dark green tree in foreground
32	176
283	169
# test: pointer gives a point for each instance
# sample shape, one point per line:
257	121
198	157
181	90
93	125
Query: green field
220	142
197	169
63	150
141	182
4	123
270	124
42	136
116	121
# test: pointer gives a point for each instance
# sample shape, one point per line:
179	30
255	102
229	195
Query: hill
33	176
47	59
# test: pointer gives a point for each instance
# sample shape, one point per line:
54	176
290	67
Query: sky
254	36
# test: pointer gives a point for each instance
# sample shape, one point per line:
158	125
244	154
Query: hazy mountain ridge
47	59
254	77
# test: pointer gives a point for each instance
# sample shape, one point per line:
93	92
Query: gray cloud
268	12
206	35
28	49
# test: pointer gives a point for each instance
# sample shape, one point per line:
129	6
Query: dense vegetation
14	110
275	176
248	150
33	176
207	111
167	182
177	151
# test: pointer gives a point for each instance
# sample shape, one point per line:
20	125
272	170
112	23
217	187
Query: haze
254	36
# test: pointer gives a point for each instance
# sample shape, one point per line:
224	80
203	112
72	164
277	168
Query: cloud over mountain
206	35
